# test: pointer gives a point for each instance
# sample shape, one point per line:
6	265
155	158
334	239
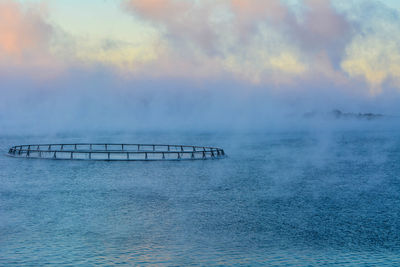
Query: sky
201	64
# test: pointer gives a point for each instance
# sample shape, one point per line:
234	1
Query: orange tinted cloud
24	36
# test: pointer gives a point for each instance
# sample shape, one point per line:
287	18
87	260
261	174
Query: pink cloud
319	30
161	10
250	12
323	26
184	20
25	39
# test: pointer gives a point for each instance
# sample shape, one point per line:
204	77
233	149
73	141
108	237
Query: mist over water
100	101
294	190
299	197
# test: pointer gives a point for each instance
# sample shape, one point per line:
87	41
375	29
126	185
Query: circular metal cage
116	152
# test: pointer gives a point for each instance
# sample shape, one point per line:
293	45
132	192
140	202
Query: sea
301	197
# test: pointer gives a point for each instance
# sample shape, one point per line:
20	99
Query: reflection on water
288	198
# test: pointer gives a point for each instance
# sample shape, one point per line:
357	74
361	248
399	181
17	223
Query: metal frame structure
116	152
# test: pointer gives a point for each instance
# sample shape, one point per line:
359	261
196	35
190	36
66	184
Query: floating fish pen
116	152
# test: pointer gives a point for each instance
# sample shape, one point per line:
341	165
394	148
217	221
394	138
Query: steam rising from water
280	198
103	102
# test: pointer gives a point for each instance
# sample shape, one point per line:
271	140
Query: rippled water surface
280	198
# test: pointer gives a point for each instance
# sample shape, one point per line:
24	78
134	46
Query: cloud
249	13
25	39
322	27
183	20
121	54
263	42
374	53
270	44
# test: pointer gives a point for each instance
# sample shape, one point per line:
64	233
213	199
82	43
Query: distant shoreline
338	114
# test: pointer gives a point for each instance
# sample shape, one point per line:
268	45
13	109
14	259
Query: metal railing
116	152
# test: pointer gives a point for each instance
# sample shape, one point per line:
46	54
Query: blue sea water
281	198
